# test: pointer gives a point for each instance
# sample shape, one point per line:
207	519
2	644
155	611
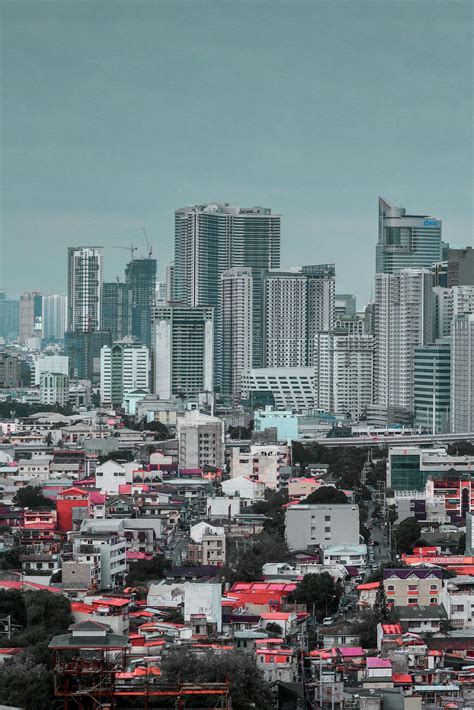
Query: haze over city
115	114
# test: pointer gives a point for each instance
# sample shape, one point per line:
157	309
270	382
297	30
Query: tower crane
150	248
131	249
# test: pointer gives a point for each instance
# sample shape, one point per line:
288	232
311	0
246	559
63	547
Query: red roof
402	678
392	629
278	615
39	526
111	601
368	585
24	586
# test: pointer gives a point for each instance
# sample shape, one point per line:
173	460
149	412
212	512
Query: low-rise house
345	554
203	608
207	545
367	592
108	538
82	574
287	621
339	635
276	663
112	611
244	488
458	600
423	619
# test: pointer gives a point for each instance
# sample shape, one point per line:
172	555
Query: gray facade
319	524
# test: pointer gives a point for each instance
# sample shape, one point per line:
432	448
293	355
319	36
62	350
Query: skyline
98	137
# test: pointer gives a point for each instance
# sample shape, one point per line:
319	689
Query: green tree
246	566
272	508
143	571
408	532
380	604
26	684
328	495
32	497
10	559
320	593
247	687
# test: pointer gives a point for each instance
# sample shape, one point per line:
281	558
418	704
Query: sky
115	113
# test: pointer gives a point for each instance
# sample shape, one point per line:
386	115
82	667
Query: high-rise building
54	388
140	276
345	304
10	371
406	241
297	305
404	319
462	374
450	303
83	350
54	317
285	388
117	309
9	317
31	319
48	363
344	365
432	380
183	350
123	367
169	281
200	440
461	267
85	278
235	329
212	238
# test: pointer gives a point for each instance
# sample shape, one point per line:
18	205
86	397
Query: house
339	635
321	524
207	545
367	592
345	554
421	586
68	499
286	620
458	600
203	608
277	663
244	488
422	619
111	475
113	611
378	669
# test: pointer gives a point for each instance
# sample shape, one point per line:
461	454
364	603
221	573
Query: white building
404	319
344	372
285	319
183	350
462	374
111	475
54	389
203	606
108	538
293	388
244	488
345	554
235	329
457	597
49	363
54	317
222	507
450	303
200	440
308	525
124	367
85	282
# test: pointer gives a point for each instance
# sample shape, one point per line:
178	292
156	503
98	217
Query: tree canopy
32	497
407	534
327	494
147	570
246	565
320	593
247	686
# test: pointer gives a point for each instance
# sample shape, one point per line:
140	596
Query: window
433	600
412	587
412	600
390	588
434	587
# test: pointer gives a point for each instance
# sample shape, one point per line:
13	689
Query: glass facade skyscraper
140	277
406	241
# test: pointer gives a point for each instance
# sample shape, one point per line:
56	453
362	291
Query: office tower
54	317
450	303
183	350
284	388
212	238
123	367
404	319
461	267
440	273
462	374
321	289
9	317
235	330
54	388
85	278
31	319
432	386
117	309
286	319
344	364
406	241
83	350
169	281
140	276
345	305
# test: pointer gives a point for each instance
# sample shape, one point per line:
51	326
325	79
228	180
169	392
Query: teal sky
115	113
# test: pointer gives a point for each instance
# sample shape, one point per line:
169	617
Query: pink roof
111	601
10	651
373	662
68	491
97	498
392	629
276	615
23	586
404	678
352	651
263	586
38	526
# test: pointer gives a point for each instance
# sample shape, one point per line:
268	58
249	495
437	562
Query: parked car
328	621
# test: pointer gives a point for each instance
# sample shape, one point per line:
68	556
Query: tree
272	508
328	495
407	534
274	630
247	687
381	602
320	593
160	430
247	566
32	497
26	684
147	570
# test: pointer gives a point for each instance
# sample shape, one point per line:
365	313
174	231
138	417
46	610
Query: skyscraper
432	386
183	350
406	241
31	319
461	267
140	277
404	319
450	303
462	374
54	317
9	317
212	238
117	309
85	278
235	329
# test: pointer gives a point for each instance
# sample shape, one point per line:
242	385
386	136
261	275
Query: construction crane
150	248
131	249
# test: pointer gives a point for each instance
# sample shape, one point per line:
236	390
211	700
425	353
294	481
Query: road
176	552
381	551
